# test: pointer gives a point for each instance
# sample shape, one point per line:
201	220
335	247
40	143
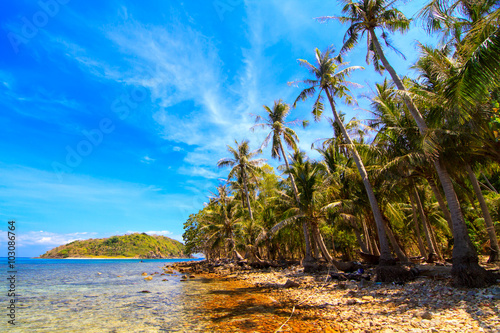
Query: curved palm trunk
305	229
357	233
430	245
488	183
466	270
244	176
442	204
321	242
368	242
292	180
394	243
417	228
385	252
434	241
494	249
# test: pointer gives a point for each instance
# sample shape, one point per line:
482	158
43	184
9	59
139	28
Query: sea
102	295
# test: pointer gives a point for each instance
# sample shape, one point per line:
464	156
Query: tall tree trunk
423	218
296	194
395	246
434	241
494	249
314	244
421	247
489	184
466	270
320	242
385	255
440	200
307	239
292	180
357	233
367	237
375	248
244	176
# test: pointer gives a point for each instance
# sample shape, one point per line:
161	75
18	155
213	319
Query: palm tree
454	18
365	16
279	129
466	139
242	166
310	182
221	221
330	77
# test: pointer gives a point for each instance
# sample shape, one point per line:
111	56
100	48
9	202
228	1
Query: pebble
423	305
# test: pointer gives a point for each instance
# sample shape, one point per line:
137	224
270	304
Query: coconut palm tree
437	68
221	221
329	76
310	184
366	16
453	19
276	121
242	166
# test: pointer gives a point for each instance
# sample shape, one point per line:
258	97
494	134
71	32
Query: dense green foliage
128	246
422	172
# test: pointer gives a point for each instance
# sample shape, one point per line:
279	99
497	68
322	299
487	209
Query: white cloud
195	171
147	160
49	238
83	200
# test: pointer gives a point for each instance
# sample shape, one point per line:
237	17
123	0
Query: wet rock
191	276
145	292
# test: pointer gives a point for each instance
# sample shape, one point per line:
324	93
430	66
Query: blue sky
113	114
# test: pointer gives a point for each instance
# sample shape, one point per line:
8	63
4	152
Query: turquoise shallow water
70	295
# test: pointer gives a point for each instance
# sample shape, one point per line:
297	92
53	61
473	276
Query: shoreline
315	302
118	258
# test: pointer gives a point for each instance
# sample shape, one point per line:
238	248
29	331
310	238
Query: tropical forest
416	179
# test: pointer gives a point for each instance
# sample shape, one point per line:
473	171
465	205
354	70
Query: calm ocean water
69	295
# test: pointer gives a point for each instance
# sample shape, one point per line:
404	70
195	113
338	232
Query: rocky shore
289	300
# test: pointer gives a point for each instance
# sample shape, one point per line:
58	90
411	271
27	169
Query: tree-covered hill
128	246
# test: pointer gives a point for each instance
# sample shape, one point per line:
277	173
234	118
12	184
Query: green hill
128	246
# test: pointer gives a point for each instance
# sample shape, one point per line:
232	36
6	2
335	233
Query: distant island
137	245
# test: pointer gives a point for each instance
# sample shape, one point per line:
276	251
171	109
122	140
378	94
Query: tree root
394	273
471	275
